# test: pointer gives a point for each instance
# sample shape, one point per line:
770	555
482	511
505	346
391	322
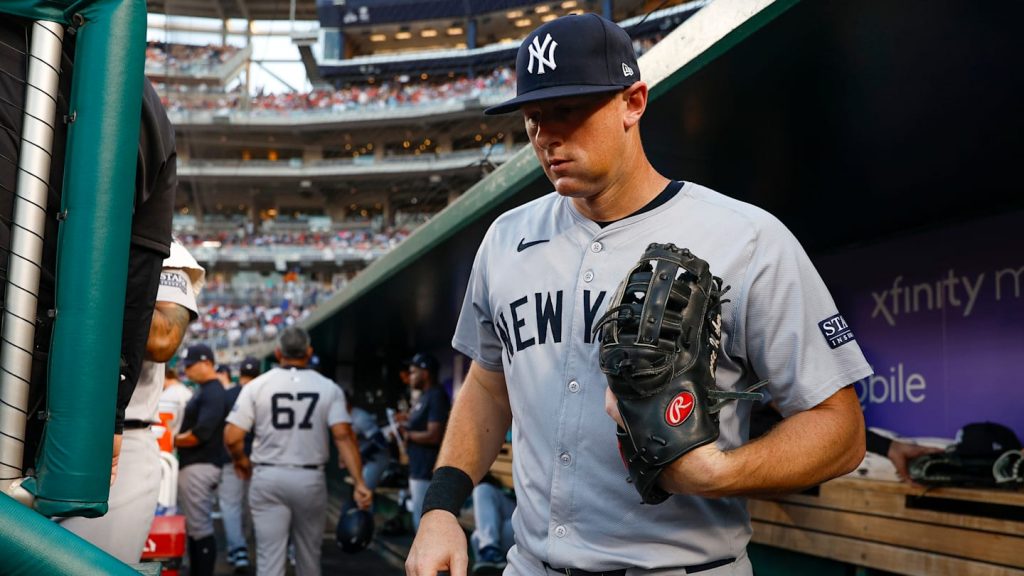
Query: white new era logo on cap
626	70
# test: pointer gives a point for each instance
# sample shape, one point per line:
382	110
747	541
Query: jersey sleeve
176	287
475	335
243	413
337	409
781	306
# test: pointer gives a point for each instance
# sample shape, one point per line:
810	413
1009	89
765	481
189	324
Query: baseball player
423	428
173	399
122	532
201	455
232	489
544	275
291	411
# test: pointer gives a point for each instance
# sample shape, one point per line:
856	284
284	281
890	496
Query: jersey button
565	458
561	531
596	247
588	276
574	386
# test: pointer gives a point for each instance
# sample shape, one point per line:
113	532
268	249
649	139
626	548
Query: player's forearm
348	453
803	450
234	441
166	331
186	440
477	425
432	436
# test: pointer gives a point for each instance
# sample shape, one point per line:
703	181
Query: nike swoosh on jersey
523	244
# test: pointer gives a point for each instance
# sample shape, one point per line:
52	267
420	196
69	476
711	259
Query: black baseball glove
659	348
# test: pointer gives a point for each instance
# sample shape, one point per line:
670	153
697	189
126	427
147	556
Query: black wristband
448	490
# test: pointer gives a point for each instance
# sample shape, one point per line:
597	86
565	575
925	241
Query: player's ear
278	355
309	352
636	103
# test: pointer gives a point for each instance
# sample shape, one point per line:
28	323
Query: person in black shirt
201	454
423	429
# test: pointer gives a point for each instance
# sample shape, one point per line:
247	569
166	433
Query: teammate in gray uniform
232	490
123	530
291	411
545	272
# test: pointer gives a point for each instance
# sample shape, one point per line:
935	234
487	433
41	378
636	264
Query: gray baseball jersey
175	287
290	411
541	278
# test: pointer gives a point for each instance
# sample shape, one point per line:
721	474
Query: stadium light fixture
568	4
523	23
378	37
542	9
548	17
428	33
514	14
454	31
403	35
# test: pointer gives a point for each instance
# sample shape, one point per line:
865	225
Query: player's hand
440	544
243	468
114	460
363	496
900	453
696	472
611	406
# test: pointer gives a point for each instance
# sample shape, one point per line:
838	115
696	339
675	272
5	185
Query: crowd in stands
182	59
230	316
362	239
395	93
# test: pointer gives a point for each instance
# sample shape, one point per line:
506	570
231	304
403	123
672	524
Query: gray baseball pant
285	502
123	531
231	495
197	488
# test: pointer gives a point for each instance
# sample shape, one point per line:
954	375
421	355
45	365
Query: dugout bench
891	527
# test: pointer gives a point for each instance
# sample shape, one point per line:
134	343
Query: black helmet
355	530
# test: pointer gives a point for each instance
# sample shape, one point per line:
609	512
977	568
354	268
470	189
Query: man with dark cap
200	456
423	429
232	491
581	100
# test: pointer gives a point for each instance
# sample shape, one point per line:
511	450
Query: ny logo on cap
537	51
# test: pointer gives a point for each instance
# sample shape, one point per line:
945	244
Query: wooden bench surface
898	527
502	467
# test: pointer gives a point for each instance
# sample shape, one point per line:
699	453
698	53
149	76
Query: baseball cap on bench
572	56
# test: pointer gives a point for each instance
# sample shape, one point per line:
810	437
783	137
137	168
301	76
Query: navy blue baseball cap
424	361
197	353
250	366
572	56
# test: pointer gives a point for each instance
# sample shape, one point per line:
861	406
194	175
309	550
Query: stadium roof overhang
803	108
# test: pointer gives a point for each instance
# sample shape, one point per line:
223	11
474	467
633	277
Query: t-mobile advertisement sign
940	317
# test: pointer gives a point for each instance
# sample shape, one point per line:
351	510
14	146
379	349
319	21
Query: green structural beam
32	545
73	468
